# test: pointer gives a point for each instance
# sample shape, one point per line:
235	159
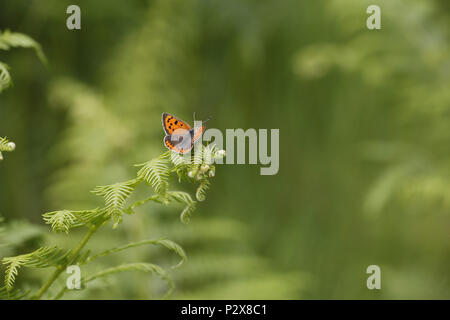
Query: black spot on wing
164	122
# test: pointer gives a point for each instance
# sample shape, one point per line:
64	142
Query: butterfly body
180	136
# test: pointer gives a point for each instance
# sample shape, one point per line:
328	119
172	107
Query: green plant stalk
73	255
77	250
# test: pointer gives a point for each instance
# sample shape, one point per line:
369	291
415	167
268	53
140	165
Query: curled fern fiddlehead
6	145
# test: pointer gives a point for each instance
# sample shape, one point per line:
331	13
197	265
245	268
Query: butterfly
180	137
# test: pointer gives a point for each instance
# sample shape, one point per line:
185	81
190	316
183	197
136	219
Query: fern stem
60	293
49	282
70	259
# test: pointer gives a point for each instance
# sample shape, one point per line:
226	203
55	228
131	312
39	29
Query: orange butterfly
180	137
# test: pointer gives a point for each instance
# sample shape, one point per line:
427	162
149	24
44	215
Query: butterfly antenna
203	121
209	118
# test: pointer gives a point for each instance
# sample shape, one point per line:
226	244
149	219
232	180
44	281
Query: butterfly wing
197	133
171	123
177	146
180	137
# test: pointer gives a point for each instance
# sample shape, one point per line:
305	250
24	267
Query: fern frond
12	269
181	197
184	198
61	220
209	152
202	189
198	153
64	220
41	258
175	247
10	40
5	77
179	160
47	257
181	165
164	242
139	266
156	173
116	194
115	197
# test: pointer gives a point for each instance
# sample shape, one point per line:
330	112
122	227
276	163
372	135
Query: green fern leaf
198	153
115	197
64	220
209	152
179	160
175	247
12	269
41	258
10	40
156	173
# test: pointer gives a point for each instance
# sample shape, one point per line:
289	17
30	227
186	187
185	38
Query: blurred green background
364	119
